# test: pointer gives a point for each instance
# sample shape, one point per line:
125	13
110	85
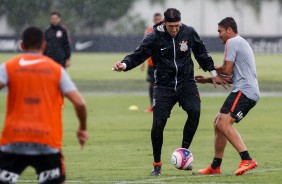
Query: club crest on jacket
183	46
59	34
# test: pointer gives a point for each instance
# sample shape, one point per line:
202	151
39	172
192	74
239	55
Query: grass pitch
119	149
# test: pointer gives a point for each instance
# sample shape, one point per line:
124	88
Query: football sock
157	164
157	158
245	155
216	163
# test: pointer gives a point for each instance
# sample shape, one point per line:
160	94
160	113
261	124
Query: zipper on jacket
176	68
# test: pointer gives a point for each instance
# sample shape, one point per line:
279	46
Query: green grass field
119	148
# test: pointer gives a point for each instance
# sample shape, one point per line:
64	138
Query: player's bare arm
203	80
226	68
81	113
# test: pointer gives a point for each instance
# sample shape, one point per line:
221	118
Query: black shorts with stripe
238	105
49	168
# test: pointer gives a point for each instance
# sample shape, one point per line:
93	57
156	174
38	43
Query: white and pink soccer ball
182	159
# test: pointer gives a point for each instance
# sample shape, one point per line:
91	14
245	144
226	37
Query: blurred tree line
85	16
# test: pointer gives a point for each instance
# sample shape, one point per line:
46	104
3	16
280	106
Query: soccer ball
182	159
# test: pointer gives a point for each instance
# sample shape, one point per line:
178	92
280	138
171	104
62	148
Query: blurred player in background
157	18
239	63
32	132
171	43
58	42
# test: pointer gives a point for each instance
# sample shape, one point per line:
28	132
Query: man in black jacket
58	46
171	43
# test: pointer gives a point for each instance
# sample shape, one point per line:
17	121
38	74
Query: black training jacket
172	56
58	46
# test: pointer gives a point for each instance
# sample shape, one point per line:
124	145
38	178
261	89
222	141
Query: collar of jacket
55	26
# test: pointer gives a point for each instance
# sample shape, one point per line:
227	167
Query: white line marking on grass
162	179
158	180
144	93
35	181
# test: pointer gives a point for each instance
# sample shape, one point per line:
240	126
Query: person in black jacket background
171	43
58	46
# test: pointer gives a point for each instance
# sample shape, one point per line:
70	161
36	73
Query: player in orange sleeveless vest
32	132
157	18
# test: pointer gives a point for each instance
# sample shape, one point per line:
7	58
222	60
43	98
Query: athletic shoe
246	165
157	169
210	170
149	110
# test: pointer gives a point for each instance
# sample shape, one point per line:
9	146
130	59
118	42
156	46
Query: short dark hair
55	13
157	14
32	38
172	15
229	22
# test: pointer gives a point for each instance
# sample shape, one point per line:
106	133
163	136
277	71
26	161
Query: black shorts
164	99
151	74
238	105
50	168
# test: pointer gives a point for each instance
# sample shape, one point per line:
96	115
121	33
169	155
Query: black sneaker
157	169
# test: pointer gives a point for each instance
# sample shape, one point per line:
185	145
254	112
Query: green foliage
80	16
19	13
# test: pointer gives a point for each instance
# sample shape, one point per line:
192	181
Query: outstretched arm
143	52
203	80
201	53
205	60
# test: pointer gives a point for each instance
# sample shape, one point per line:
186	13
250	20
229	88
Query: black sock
245	155
216	163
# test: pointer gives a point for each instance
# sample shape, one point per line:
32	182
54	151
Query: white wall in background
204	15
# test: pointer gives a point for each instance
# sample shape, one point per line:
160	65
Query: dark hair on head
229	22
55	13
32	38
157	14
172	15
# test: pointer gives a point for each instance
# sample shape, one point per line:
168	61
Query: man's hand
68	63
226	78
118	67
221	81
82	137
202	80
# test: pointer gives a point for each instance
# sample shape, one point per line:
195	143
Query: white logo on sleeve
24	62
